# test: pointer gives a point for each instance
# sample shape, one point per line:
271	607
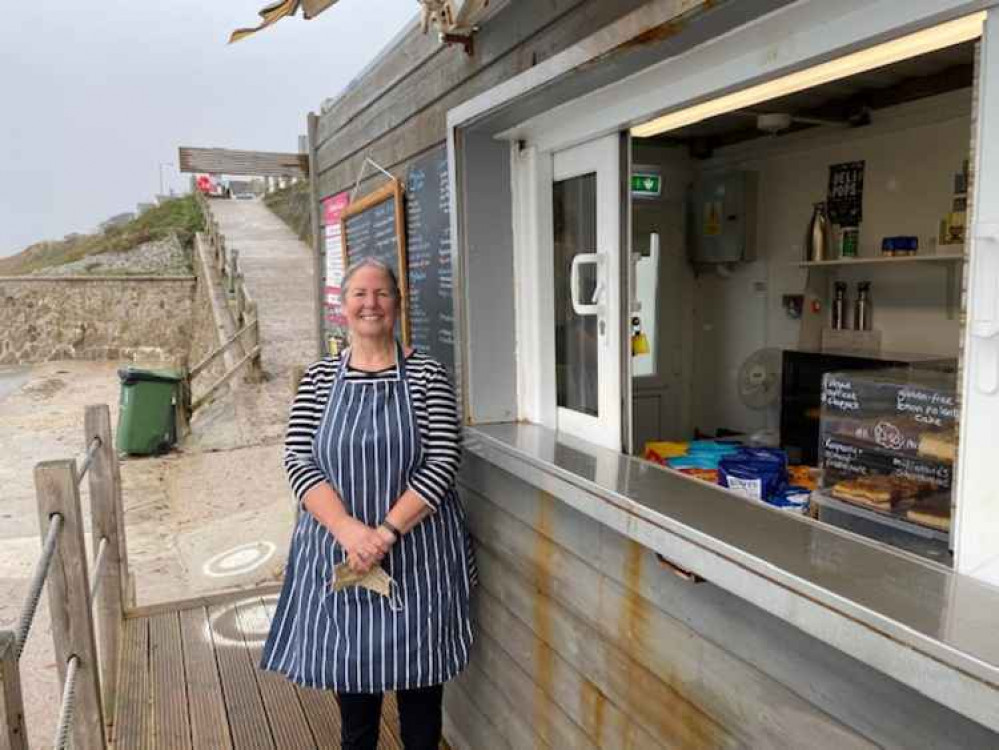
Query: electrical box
721	218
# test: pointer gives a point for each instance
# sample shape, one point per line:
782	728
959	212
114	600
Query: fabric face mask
376	580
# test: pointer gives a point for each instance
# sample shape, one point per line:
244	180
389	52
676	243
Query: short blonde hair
370	263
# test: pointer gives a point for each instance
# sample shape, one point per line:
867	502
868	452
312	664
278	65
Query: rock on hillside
157	258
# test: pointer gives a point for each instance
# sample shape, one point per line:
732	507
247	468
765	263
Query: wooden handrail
218	351
88	675
254	354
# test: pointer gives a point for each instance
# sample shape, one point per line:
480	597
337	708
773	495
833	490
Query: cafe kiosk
613	251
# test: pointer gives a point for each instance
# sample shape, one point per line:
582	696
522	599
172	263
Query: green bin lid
132	375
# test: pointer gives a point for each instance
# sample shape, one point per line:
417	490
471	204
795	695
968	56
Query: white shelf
943	258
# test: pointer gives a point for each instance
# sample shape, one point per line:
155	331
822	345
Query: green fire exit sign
646	184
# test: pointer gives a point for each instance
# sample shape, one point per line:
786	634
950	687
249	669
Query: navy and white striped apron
367	445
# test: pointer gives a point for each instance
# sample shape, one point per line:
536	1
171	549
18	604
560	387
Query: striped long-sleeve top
436	416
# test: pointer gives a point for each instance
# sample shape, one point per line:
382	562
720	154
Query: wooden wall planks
759	678
410	118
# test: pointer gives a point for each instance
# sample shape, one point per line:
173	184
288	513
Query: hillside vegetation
291	205
179	216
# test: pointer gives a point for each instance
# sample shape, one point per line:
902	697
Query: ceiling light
920	43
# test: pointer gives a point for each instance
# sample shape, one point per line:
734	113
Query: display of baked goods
941	446
934	516
900	435
879	490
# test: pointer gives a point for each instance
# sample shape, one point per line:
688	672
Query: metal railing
86	603
243	307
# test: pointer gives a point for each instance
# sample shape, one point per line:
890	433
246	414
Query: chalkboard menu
372	227
428	227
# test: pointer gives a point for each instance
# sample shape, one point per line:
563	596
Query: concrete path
277	268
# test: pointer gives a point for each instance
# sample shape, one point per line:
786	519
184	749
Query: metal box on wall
721	218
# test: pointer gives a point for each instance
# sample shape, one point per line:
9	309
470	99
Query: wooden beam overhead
228	161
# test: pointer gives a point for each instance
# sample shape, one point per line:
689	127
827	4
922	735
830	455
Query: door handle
595	307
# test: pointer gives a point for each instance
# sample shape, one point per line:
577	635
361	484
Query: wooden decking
189	680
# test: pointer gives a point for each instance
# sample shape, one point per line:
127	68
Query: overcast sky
94	96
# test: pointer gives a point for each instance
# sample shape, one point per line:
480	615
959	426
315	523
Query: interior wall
912	153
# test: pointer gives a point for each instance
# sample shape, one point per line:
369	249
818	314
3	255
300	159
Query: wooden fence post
233	271
252	340
106	515
69	598
12	732
240	301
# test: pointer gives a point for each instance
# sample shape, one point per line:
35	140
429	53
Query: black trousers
420	718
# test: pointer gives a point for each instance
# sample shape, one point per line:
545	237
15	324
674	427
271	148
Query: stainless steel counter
917	622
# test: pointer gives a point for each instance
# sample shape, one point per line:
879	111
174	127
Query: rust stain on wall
676	721
541	574
659	33
594	703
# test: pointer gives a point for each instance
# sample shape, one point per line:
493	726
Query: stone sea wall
95	317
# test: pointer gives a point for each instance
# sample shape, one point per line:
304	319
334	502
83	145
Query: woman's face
370	305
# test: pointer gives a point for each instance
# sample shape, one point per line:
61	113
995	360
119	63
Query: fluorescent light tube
920	43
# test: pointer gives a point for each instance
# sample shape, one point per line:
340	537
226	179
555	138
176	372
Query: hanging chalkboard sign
428	230
373	227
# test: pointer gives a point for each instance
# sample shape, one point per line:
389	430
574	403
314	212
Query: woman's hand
364	545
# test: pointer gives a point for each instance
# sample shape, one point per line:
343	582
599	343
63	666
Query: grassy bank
178	216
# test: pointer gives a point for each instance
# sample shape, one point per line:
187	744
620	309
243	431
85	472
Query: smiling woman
376	594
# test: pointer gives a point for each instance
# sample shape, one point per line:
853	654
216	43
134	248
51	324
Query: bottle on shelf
862	307
839	307
818	243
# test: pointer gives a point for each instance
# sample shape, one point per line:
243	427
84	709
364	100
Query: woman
372	450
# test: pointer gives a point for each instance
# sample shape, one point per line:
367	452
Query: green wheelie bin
147	423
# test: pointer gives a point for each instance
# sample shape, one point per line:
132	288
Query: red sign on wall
333	207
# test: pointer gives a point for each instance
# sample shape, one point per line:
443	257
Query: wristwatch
391	527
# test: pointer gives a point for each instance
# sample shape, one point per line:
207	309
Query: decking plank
322	713
319	706
131	727
168	685
245	708
209	723
284	710
390	721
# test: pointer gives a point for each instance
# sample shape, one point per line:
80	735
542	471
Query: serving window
793	263
807	328
791	267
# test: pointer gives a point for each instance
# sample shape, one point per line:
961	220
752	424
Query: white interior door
586	204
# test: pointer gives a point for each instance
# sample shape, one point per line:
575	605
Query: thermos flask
818	240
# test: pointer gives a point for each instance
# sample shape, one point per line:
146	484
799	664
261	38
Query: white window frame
533	175
804	35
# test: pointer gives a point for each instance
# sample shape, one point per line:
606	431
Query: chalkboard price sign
373	227
428	227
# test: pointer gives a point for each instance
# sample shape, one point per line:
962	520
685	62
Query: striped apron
367	444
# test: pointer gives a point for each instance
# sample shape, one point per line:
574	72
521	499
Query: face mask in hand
376	580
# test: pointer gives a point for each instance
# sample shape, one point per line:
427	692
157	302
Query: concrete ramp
277	269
